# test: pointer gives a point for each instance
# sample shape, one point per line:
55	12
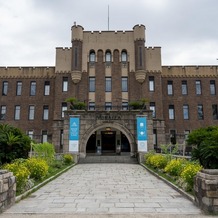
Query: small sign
142	133
74	134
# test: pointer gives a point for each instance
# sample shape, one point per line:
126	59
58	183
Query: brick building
108	71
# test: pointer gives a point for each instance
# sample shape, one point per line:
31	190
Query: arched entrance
110	138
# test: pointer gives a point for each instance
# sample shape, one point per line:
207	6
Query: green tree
205	146
13	143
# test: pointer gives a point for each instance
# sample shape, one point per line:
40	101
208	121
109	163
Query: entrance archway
110	138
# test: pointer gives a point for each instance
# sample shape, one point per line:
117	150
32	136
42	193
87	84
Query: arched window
108	56
92	56
124	56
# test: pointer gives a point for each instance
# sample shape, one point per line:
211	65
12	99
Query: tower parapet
76	32
139	32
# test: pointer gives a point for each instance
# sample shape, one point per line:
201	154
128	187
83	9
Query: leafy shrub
67	158
21	173
175	167
158	161
189	172
44	151
38	168
148	157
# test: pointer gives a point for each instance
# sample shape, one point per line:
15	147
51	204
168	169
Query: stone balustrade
7	190
206	190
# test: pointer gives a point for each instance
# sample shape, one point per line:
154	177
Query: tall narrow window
44	136
171	112
92	84
184	87
33	88
30	133
17	112
108	56
108	106
91	106
153	108
108	84
173	136
3	112
212	87
47	88
124	56
31	112
200	112
61	138
75	57
19	88
124	84
63	108
125	106
5	88
185	112
151	83
45	112
215	111
170	87
92	57
198	87
65	84
140	56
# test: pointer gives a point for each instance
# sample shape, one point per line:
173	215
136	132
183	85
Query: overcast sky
186	30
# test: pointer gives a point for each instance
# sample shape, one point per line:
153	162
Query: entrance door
108	139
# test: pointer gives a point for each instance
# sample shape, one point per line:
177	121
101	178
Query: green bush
38	168
158	161
44	151
67	158
21	173
148	157
175	167
188	174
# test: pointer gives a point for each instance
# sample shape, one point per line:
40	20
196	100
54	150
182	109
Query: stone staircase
108	158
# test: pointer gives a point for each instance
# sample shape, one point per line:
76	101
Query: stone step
108	159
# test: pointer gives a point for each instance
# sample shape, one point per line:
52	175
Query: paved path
103	189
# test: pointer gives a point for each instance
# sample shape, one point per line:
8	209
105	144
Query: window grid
200	112
33	88
108	106
17	112
151	83
171	112
63	108
3	112
212	87
170	87
5	88
198	87
185	112
65	84
31	112
153	108
19	88
91	106
215	111
125	106
45	112
108	85
92	84
44	136
47	88
124	84
184	87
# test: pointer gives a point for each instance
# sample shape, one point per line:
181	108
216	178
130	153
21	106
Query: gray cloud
31	29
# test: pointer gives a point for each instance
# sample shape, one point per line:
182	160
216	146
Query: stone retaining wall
7	189
206	190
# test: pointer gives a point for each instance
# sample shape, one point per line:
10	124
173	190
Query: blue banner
141	128
74	129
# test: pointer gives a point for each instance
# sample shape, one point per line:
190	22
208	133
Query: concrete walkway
105	190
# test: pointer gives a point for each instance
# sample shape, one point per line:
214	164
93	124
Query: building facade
108	71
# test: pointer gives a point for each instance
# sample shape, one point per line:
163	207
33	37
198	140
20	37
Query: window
124	56
186	133
75	57
151	83
63	108
30	133
92	56
108	85
3	112
124	84
31	112
33	88
45	112
44	136
61	138
108	56
140	56
170	87
173	136
19	88
171	112
212	87
17	112
215	111
125	106
91	106
185	112
65	84
47	88
92	84
152	107
198	87
5	88
184	87
200	112
108	106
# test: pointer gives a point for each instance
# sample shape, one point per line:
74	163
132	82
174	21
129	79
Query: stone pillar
206	190
7	190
